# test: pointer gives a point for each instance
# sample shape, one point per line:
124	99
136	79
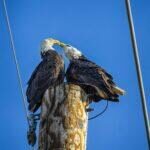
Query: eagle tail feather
118	90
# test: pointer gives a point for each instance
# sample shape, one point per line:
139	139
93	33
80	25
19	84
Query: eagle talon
31	133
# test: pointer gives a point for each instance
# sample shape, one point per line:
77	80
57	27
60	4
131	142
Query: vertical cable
16	60
138	69
16	63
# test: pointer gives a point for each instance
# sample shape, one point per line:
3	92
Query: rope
15	59
99	114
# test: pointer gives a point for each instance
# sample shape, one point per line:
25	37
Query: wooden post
63	124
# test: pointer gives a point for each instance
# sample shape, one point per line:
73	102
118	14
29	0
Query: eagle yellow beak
55	42
52	41
62	44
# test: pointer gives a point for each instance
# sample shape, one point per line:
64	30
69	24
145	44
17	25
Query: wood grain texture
63	124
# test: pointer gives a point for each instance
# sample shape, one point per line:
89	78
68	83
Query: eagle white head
70	51
47	44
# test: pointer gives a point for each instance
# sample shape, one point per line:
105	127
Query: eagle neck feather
49	54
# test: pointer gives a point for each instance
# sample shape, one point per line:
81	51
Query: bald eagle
49	73
97	83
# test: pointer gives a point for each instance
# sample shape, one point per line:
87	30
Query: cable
99	114
15	58
16	64
138	69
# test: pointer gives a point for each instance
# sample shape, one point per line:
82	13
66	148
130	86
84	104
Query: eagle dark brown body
95	81
49	73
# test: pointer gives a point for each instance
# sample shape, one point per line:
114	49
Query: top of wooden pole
63	122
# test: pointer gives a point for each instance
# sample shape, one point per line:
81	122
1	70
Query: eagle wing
88	73
45	75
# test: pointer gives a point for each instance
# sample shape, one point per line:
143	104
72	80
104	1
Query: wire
16	63
138	69
15	59
99	114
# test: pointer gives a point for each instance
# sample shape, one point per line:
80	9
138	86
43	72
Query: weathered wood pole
63	124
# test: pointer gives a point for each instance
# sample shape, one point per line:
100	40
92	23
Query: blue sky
100	30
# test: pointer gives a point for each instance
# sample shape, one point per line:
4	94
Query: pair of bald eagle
95	81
